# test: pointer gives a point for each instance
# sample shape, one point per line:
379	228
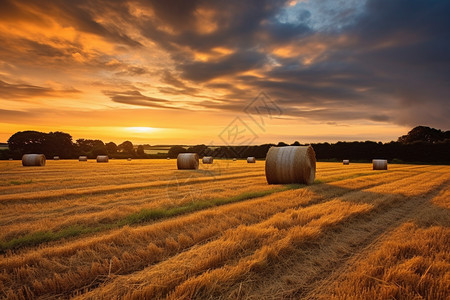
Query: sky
224	72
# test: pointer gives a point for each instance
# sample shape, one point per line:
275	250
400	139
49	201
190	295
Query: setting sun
141	129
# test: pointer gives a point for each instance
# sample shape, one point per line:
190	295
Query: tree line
60	144
422	145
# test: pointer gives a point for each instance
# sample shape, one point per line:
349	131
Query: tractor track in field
321	199
347	244
77	192
327	194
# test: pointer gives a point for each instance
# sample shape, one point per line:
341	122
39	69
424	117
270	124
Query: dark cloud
7	115
136	98
232	64
11	91
80	14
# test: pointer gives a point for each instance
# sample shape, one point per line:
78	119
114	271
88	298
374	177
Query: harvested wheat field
142	229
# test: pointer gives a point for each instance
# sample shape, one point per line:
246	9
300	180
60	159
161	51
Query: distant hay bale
187	161
207	160
379	164
102	159
291	164
10	158
33	160
251	160
82	158
129	158
55	157
346	162
168	158
234	159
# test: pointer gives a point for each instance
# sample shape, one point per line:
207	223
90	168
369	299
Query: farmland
143	229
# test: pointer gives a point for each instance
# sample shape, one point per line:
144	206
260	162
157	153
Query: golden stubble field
142	229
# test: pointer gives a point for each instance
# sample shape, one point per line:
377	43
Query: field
142	229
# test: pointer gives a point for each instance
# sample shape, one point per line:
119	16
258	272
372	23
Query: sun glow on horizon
142	129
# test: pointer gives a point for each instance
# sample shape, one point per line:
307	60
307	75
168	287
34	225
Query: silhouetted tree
140	151
49	144
126	147
91	148
424	134
60	144
111	148
175	150
27	142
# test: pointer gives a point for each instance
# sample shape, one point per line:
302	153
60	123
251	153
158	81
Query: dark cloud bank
386	62
392	65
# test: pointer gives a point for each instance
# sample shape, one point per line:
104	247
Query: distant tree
91	148
282	144
126	147
60	144
140	151
424	134
296	143
175	150
111	148
199	149
27	142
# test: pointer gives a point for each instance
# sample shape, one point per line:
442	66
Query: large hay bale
102	159
346	162
291	164
251	160
187	161
379	164
55	157
82	158
207	160
33	160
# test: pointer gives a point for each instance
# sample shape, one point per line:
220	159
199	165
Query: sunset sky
224	72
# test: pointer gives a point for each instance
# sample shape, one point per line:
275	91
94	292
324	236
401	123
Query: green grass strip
142	216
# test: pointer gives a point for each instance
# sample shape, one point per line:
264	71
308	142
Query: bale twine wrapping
102	159
207	160
55	157
33	160
187	161
291	164
82	158
346	162
379	164
251	160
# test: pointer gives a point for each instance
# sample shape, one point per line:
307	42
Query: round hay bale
82	158
129	158
187	161
168	158
102	159
346	162
55	157
234	159
10	158
33	160
291	164
379	164
207	160
251	160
